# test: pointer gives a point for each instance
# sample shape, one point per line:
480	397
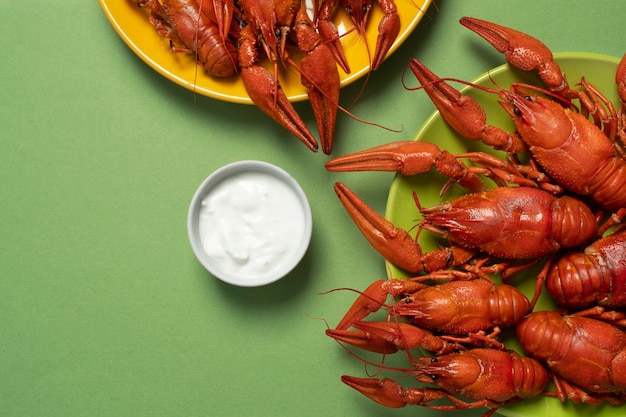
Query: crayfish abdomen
588	353
595	276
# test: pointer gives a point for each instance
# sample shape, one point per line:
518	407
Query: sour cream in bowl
249	223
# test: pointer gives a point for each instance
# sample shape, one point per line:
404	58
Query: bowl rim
217	177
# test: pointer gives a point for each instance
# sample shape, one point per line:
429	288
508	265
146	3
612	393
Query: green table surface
104	310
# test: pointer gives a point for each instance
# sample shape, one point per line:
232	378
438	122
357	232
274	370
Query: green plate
401	210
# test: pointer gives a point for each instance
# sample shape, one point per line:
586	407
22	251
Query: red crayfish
596	275
567	196
264	25
197	28
464	311
487	377
444	319
509	223
587	356
572	150
229	38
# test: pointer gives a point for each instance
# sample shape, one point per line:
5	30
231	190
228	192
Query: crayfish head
452	372
359	12
540	122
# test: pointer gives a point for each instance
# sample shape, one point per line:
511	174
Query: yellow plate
132	25
401	210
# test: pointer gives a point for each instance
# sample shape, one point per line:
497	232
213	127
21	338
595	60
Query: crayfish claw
320	76
373	298
388	30
389	393
328	31
385	391
463	113
394	244
520	50
408	158
388	337
270	98
405	157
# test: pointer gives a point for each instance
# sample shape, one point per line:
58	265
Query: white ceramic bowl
249	223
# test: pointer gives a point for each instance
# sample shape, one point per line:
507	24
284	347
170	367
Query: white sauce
250	223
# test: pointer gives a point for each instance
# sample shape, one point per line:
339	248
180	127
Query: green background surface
104	310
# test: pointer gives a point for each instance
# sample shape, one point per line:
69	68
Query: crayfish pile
555	201
229	39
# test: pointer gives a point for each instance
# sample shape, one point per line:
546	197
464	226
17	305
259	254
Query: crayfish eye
364	10
517	111
433	360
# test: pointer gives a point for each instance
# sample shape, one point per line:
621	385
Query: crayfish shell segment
573	223
508	304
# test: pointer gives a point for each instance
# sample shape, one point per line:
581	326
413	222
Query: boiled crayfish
229	38
200	28
490	378
594	276
388	28
582	157
508	223
464	311
265	25
562	341
569	192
